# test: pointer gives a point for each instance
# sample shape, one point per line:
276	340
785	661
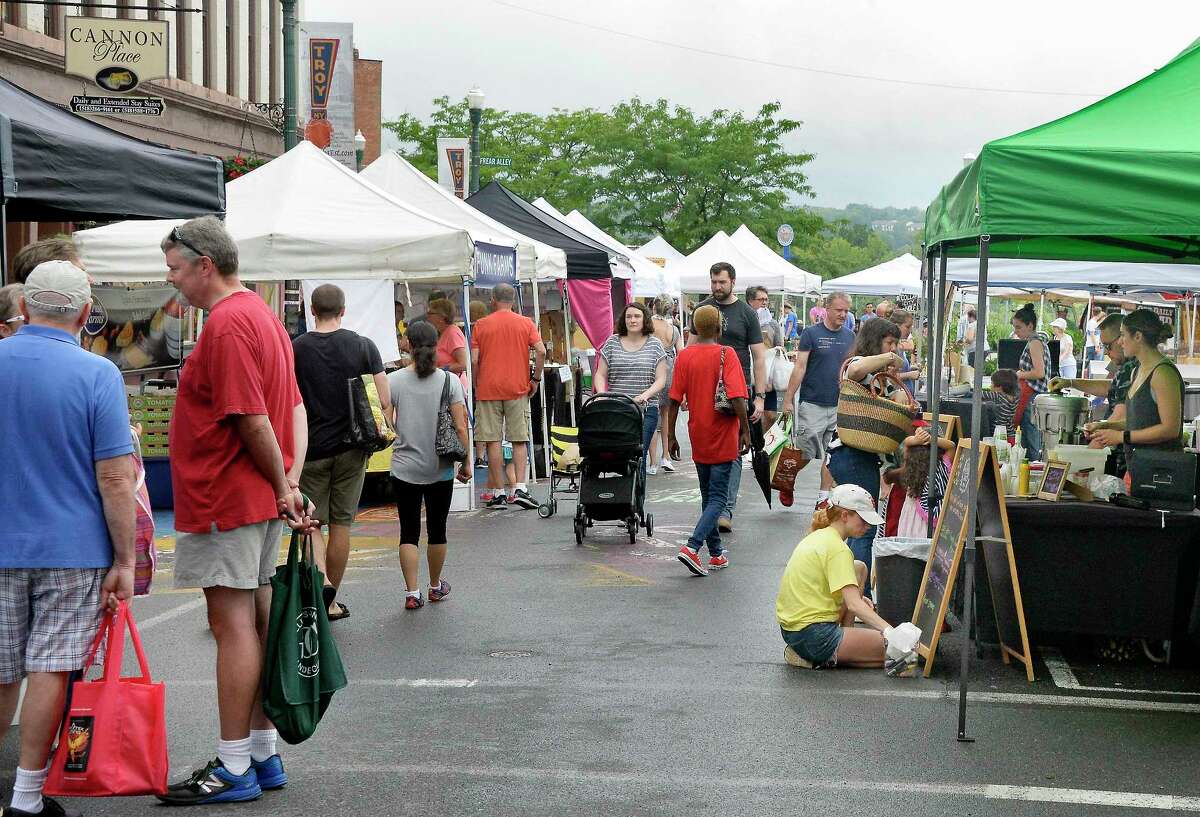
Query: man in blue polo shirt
67	550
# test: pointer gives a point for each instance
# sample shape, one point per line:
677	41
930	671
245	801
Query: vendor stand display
57	166
1115	182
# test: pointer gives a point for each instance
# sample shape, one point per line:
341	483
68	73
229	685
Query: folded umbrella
760	461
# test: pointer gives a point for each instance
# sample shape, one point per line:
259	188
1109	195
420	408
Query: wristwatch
1126	438
760	395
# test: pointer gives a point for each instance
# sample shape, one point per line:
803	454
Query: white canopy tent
302	215
693	270
745	239
899	276
618	258
395	175
657	249
649	279
1108	277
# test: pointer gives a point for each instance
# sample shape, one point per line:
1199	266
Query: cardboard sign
945	556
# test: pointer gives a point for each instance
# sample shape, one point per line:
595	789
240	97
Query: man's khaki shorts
497	420
335	484
813	428
242	558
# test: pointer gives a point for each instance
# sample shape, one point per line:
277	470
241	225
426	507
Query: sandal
343	612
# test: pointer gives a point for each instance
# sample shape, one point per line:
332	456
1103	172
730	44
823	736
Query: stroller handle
614	396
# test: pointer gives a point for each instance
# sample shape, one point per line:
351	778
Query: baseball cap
1059	322
854	498
58	286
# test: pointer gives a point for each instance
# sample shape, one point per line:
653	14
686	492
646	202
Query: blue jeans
649	425
735	484
1031	435
851	466
714	485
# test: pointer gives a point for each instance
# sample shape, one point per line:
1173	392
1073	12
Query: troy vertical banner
327	79
454	163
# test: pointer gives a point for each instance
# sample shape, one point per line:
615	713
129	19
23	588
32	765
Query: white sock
520	486
27	789
415	594
235	755
262	744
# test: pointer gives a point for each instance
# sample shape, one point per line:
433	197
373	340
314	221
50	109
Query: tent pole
566	307
3	242
1192	328
973	493
537	320
1041	309
471	385
936	284
530	456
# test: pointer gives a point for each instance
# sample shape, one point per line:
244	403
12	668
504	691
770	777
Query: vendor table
1091	568
961	407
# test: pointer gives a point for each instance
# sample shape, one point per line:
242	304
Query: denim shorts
817	643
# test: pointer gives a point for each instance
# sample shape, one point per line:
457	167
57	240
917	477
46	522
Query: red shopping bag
114	733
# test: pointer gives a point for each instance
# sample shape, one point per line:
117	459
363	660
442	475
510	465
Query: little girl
916	510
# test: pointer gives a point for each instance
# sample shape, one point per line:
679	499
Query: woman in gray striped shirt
633	362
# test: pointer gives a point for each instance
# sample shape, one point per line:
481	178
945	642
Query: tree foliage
647	168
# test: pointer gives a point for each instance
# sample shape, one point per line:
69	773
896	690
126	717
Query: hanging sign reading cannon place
115	54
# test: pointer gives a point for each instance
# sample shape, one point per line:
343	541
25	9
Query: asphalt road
605	680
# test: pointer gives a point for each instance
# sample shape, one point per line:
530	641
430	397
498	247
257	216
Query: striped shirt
631	373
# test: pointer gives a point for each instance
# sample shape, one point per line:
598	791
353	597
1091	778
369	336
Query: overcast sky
882	143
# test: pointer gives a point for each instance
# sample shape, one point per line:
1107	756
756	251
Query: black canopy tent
585	257
56	166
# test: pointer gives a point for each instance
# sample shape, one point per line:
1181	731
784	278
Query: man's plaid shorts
48	618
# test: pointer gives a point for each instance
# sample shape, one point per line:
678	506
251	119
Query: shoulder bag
870	421
447	442
366	432
721	401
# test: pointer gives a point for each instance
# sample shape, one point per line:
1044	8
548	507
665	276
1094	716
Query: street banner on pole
327	98
454	157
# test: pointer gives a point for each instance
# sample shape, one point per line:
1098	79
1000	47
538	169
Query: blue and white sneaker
214	784
270	773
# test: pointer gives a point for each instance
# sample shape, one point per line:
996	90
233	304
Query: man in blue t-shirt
816	376
68	500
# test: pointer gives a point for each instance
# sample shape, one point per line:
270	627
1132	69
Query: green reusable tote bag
303	668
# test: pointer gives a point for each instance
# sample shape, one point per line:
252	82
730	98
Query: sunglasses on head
179	239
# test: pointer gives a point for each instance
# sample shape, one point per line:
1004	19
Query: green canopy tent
1116	181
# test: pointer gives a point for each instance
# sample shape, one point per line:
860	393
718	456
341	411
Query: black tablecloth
1097	569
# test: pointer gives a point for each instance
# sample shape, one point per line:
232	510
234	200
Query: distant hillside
895	225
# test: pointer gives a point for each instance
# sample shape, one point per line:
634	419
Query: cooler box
899	566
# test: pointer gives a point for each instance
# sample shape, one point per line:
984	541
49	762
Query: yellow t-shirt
811	588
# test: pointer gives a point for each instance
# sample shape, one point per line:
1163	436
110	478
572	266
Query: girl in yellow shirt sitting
821	590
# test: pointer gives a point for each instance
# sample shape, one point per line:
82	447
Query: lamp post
290	80
360	145
475	106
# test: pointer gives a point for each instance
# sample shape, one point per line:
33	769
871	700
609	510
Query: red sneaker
718	562
413	602
691	561
786	498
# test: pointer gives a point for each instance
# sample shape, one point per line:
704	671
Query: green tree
638	169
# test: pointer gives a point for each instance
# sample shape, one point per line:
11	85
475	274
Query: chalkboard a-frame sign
945	555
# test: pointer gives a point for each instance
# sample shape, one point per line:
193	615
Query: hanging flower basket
238	166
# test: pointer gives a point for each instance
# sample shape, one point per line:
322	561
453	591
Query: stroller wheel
649	524
578	532
545	510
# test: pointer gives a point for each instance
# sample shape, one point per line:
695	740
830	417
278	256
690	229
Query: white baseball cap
854	498
1061	323
58	286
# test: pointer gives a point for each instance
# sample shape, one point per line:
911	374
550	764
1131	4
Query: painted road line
1064	678
166	616
598	780
389	683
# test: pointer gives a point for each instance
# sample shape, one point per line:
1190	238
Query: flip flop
343	612
328	593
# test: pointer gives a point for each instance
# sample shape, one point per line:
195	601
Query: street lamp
360	145
475	106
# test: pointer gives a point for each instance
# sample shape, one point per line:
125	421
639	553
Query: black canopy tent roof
585	257
56	166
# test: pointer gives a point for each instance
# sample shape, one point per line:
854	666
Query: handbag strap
114	626
445	400
721	372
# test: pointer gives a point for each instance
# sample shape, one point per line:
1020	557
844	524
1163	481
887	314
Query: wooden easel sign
947	425
995	546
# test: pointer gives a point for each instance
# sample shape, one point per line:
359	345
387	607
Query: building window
275	18
231	47
183	41
255	44
12	14
208	51
123	11
50	19
155	12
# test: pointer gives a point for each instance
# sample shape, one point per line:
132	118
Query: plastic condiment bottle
1023	478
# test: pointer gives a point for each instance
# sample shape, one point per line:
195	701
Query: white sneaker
651	470
667	465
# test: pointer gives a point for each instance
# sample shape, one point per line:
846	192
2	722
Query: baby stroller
564	473
611	488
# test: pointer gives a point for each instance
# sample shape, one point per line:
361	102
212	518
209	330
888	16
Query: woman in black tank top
1154	405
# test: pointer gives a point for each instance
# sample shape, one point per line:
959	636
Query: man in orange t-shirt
500	345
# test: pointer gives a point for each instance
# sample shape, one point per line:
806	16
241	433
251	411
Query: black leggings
409	496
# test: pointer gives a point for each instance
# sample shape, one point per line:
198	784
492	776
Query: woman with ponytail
419	474
1032	372
1154	404
822	590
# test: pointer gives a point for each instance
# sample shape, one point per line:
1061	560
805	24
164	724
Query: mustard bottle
1023	478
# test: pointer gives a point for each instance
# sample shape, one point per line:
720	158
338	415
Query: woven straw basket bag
867	420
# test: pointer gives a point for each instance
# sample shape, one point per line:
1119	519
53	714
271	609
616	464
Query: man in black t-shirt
740	330
326	358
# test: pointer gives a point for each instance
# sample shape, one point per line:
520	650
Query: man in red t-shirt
238	438
500	345
718	440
